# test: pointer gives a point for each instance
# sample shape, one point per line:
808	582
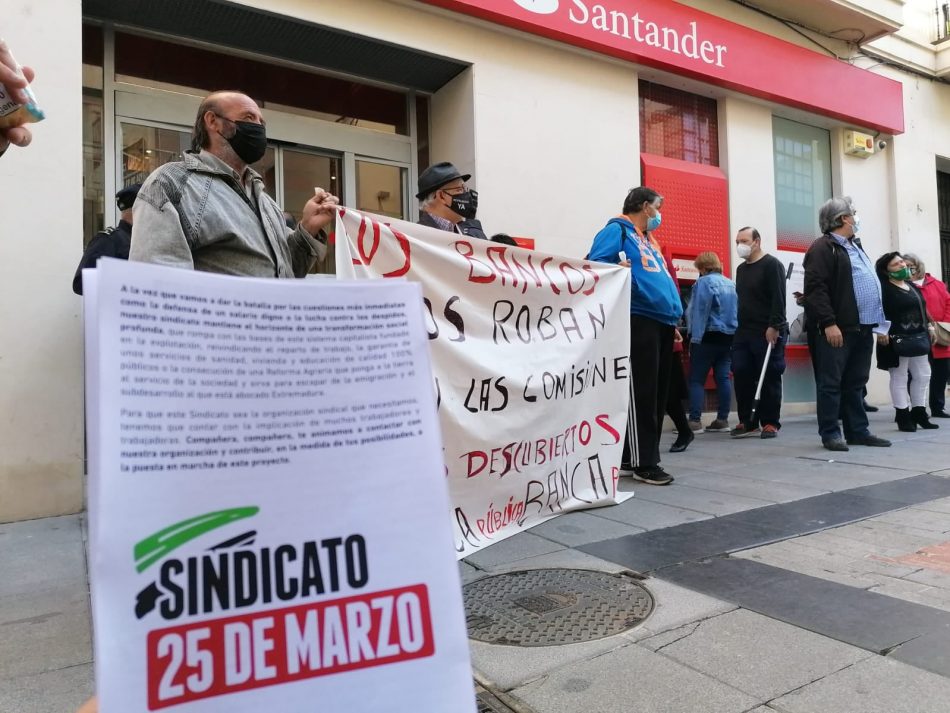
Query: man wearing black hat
447	203
111	242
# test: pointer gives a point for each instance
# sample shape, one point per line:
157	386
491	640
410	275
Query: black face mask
249	140
465	204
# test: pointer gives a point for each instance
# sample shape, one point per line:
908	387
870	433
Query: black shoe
919	416
938	413
904	421
653	475
869	440
835	444
869	408
682	442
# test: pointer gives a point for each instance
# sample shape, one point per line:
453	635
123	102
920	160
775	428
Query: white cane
758	389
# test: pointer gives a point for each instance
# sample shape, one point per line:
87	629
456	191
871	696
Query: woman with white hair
938	305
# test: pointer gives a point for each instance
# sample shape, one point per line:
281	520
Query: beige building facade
361	96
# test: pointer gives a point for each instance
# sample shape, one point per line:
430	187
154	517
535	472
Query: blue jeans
702	358
841	374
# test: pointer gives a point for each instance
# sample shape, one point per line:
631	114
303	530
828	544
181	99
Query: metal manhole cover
547	607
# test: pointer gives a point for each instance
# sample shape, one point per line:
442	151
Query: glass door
302	171
381	188
146	147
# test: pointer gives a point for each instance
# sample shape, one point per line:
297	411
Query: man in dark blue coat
111	242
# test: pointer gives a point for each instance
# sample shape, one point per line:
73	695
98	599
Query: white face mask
743	250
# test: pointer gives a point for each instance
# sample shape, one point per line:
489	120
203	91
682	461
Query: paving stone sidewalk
695	653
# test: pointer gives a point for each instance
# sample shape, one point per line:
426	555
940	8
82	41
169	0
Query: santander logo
682	38
540	7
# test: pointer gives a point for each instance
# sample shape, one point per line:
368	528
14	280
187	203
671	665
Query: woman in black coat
905	309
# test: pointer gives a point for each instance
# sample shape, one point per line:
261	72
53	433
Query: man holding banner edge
655	309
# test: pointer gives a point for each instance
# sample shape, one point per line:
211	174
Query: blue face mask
654	222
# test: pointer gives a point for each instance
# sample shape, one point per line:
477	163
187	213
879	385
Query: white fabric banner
530	355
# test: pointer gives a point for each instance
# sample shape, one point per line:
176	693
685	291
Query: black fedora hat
436	176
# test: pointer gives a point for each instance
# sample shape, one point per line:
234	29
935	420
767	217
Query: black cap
436	176
126	197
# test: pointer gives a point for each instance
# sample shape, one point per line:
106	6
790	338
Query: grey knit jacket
196	214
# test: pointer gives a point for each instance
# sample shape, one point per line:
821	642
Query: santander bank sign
681	40
631	26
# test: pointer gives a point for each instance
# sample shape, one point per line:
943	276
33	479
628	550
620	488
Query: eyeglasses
461	189
247	119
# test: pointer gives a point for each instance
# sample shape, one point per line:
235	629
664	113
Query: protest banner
267	502
530	354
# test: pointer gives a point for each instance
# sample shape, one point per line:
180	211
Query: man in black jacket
111	242
843	310
447	203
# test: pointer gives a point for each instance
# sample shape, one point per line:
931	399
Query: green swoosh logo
154	547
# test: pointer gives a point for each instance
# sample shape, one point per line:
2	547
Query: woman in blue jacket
712	318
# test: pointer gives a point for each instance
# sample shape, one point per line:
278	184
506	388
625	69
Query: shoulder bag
915	344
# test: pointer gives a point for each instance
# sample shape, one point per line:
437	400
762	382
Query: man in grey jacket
209	211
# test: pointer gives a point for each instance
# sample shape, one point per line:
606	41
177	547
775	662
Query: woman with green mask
909	338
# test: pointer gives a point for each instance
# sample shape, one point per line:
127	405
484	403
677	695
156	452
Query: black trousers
651	358
939	372
841	373
748	355
676	393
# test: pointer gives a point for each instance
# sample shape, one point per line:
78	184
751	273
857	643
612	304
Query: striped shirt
867	286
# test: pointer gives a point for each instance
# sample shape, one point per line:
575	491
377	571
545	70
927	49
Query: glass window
93	131
145	148
422	132
677	124
379	188
93	168
802	156
303	171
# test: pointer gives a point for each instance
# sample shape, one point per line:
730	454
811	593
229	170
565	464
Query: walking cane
758	389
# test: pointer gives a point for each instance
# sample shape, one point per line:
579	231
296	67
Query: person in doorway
906	310
446	203
760	287
712	320
210	212
111	242
938	306
843	311
655	308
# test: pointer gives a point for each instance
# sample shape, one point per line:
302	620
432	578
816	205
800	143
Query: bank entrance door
366	171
